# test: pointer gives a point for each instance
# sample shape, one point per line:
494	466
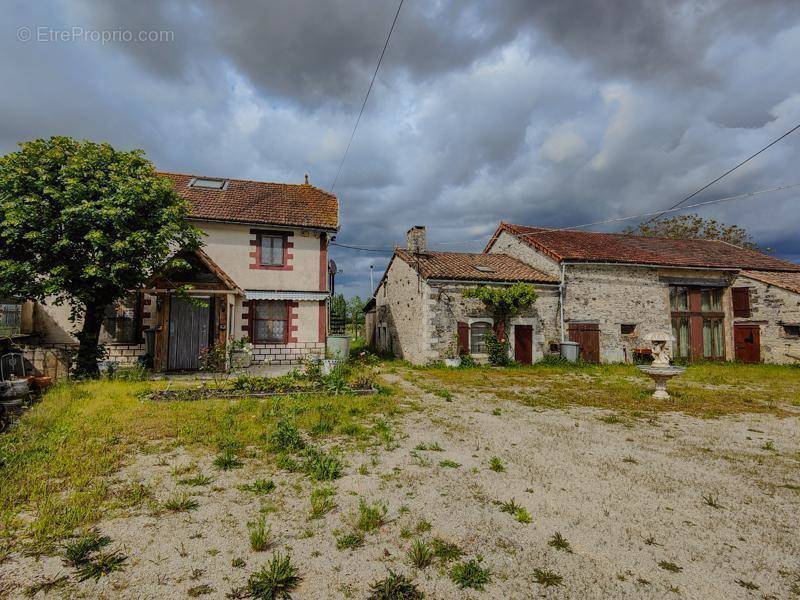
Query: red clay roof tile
591	246
462	266
244	201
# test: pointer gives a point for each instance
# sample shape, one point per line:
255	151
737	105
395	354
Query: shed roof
592	246
789	280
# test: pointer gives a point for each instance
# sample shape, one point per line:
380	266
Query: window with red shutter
741	302
463	338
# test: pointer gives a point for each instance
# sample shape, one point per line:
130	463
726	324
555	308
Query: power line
366	97
603	222
728	172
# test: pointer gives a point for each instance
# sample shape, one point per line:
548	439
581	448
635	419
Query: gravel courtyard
605	505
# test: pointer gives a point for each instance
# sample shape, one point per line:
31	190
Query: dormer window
484	269
208	184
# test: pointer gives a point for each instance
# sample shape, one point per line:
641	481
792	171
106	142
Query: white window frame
489	321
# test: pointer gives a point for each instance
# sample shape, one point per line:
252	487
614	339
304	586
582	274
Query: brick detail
255	253
323	263
286	354
291	321
323	321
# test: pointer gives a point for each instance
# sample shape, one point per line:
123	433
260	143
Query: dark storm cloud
551	112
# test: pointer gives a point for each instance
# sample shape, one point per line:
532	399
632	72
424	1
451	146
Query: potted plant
451	356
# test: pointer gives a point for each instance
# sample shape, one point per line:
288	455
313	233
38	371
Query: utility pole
371	284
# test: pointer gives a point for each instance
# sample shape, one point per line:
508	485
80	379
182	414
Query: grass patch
227	460
102	563
180	503
470	574
496	465
445	551
370	516
394	587
420	554
199	590
195	481
277	579
349	541
322	502
259	486
669	566
449	464
55	462
705	390
51	584
547	578
711	500
559	543
260	536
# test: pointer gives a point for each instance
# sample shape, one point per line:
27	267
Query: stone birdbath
660	371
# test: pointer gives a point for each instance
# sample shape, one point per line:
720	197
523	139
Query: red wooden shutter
463	338
741	302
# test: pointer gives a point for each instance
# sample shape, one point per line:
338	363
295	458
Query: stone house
418	308
262	273
607	291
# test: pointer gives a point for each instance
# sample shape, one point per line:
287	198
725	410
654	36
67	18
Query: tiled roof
590	246
243	201
463	266
787	280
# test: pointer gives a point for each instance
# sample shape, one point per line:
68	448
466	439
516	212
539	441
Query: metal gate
188	332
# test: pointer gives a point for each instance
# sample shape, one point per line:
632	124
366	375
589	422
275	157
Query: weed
197	574
547	578
449	464
420	554
197	480
522	515
199	590
238	563
496	412
420	460
559	543
259	486
444	395
423	526
445	551
326	421
650	540
180	503
630	459
275	580
434	447
711	500
286	437
102	563
350	540
227	460
321	466
46	586
509	507
669	566
496	465
322	502
470	574
748	585
78	552
371	516
260	536
611	419
769	445
287	463
394	587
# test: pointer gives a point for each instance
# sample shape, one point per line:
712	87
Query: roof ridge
195	175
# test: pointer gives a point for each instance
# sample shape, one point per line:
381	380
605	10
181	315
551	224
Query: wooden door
747	342
188	332
588	337
523	344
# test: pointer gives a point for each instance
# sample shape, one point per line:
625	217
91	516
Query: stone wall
509	244
771	307
399	314
446	306
613	295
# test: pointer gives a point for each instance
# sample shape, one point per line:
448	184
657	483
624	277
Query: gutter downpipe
561	299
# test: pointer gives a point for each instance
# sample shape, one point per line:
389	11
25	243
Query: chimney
415	239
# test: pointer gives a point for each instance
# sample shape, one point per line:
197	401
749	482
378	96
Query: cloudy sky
553	113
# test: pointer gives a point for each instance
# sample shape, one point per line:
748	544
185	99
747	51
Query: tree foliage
82	223
504	301
695	227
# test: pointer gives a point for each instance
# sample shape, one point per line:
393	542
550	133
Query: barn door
523	344
188	332
587	335
747	342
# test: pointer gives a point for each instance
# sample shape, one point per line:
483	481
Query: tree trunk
88	349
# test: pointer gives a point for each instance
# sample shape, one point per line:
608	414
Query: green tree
82	223
355	313
696	227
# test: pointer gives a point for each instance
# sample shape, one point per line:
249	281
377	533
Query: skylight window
484	269
209	184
